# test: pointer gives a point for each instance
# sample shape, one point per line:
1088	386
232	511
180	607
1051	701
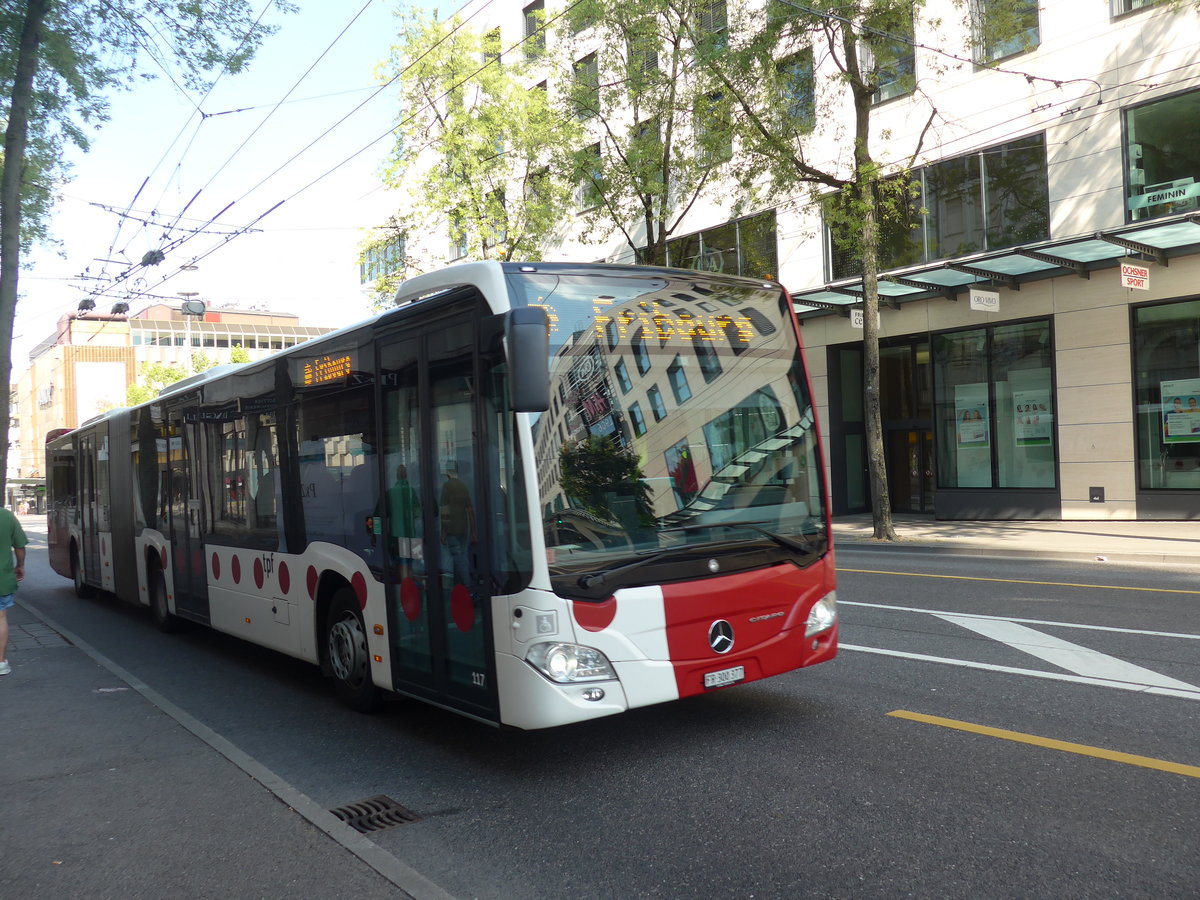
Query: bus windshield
680	439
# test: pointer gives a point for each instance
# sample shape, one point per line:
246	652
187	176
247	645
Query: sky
302	257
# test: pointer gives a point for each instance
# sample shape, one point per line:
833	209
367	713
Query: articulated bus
532	494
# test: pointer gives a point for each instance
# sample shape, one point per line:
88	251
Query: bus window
336	431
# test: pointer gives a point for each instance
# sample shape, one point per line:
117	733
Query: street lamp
189	308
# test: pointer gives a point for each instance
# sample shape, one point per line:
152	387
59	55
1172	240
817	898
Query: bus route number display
325	369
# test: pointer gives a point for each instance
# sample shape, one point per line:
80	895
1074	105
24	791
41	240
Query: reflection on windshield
679	418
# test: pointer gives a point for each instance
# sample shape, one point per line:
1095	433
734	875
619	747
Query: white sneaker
5	667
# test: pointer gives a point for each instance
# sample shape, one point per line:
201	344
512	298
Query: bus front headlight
822	616
570	663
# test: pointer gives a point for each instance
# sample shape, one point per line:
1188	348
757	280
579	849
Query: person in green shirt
403	508
12	570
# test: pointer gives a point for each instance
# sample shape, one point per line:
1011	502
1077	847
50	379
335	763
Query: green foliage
239	354
475	145
152	378
659	122
201	361
599	476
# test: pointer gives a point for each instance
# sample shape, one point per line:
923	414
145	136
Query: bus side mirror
527	334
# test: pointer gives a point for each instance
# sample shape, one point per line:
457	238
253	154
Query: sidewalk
1149	543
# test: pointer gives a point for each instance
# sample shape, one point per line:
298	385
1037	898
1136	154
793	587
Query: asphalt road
853	779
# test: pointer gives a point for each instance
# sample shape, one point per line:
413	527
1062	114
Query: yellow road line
1105	587
1145	762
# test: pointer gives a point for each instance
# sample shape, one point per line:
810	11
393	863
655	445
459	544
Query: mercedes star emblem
720	636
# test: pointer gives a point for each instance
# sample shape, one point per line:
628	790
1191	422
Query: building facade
1040	296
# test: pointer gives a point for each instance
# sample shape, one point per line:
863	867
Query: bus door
438	583
185	514
89	513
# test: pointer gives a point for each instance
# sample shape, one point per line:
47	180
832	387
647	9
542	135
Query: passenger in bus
458	523
403	508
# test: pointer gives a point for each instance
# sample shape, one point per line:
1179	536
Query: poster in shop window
1032	418
971	414
1181	410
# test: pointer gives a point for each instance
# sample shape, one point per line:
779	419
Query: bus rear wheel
348	654
159	610
83	590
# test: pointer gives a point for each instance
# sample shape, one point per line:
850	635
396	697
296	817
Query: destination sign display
325	369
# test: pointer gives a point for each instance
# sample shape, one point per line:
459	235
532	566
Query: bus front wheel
349	656
83	590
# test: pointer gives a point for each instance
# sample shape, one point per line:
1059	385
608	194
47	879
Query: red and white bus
442	503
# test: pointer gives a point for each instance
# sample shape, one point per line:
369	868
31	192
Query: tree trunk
867	200
15	139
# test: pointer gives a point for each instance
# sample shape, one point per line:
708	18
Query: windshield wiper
599	579
800	546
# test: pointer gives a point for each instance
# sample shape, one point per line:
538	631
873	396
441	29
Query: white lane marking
1031	673
1065	655
946	612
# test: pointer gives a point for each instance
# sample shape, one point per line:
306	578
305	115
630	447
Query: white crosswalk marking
1064	654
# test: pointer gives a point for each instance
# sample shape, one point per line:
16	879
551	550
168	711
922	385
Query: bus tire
348	655
160	611
83	590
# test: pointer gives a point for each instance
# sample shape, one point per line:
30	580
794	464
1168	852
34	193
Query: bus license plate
724	677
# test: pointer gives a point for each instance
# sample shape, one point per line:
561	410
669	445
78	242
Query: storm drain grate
375	814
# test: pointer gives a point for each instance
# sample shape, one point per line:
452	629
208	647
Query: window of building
1121	7
586	87
989	200
589	192
640	354
712	25
742	247
1167	412
654	395
458	237
535	35
636	420
622	374
711	131
797	89
679	383
1004	28
491	46
1163	156
891	55
994	407
706	354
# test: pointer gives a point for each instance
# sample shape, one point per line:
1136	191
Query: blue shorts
6	601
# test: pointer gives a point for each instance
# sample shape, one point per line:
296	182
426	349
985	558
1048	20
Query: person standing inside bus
403	508
11	535
458	522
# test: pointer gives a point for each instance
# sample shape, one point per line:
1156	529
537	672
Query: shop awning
1159	242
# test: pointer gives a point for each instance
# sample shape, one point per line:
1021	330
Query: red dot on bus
311	578
162	556
410	598
258	573
180	560
236	567
594	616
360	589
285	578
462	607
216	566
197	562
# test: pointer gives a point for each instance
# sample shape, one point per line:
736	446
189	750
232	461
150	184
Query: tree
58	61
152	378
473	148
655	129
605	479
238	354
